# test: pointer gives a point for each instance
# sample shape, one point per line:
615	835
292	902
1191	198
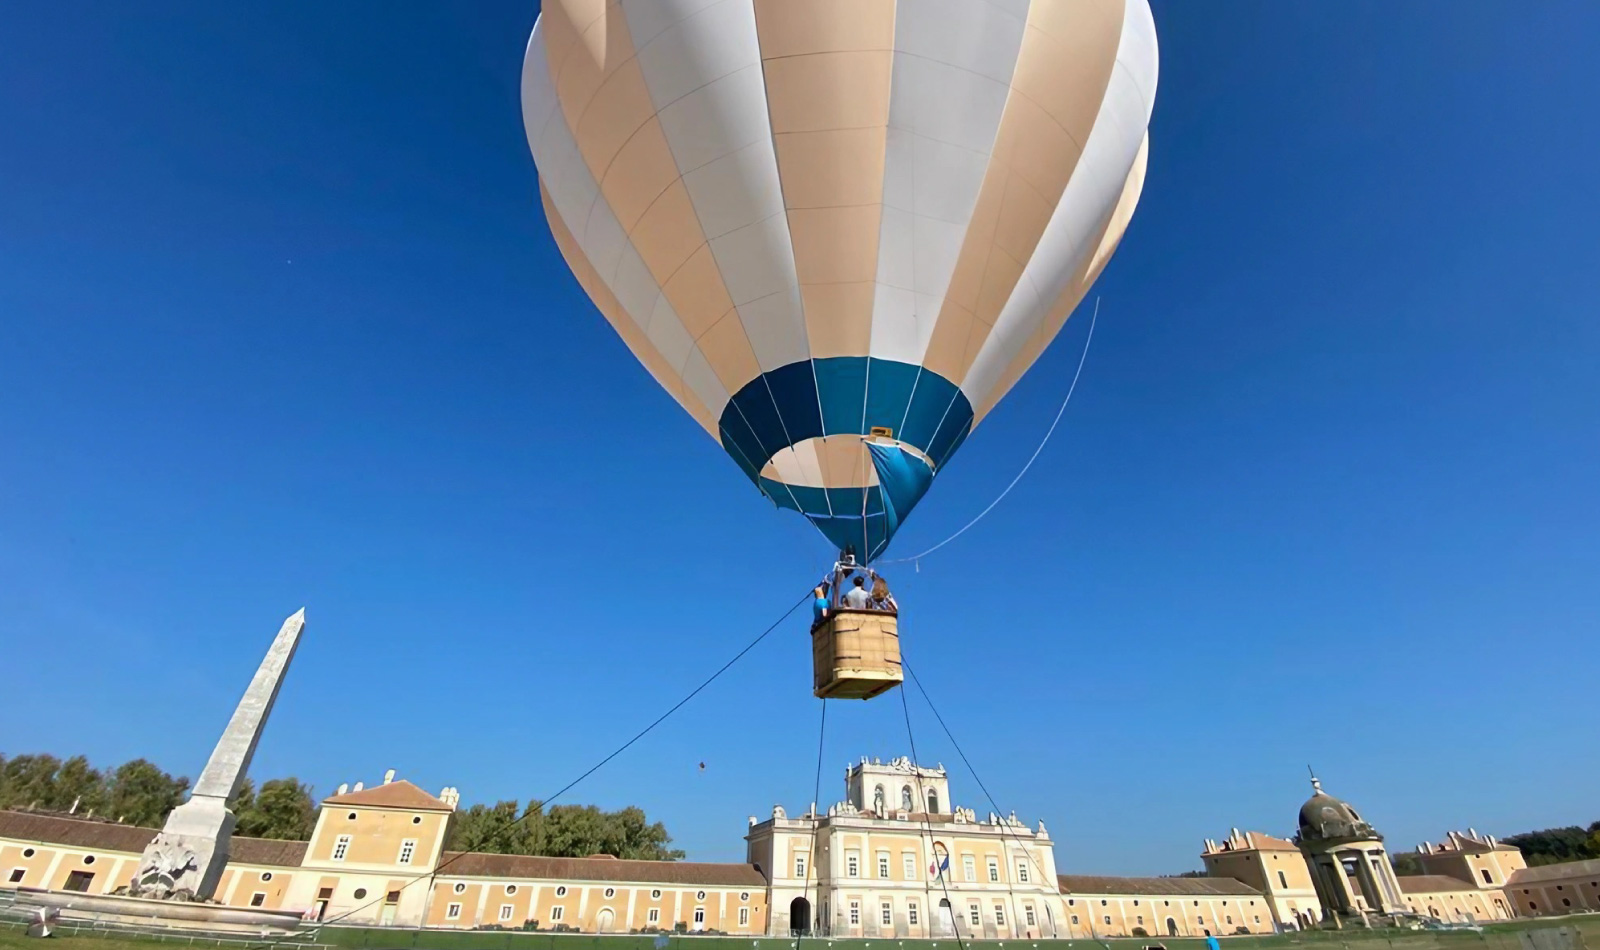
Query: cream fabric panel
705	74
1066	60
827	67
654	330
1067	303
1080	218
622	321
953	63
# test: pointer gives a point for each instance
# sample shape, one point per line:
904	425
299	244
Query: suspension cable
927	822
1006	828
1045	441
811	855
434	872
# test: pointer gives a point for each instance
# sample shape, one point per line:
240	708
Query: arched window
905	799
933	801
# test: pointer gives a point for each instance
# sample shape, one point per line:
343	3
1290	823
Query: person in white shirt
857	598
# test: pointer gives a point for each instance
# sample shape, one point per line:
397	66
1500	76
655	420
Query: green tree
491	829
564	831
142	794
282	809
1406	864
1554	845
79	788
29	781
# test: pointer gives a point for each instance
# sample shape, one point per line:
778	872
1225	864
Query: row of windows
415	819
852	867
1106	903
913	915
906	799
341	848
452	911
1138	920
460	887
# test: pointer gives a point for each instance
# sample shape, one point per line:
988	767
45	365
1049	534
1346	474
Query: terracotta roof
604	868
1432	883
1183	886
131	839
1554	872
397	794
1266	842
280	854
74	832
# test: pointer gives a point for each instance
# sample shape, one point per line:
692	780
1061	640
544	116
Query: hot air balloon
838	231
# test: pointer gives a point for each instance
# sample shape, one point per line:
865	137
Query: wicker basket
855	654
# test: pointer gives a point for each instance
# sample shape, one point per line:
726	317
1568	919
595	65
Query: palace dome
1326	817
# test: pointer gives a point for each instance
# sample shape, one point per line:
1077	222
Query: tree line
1555	845
561	831
140	793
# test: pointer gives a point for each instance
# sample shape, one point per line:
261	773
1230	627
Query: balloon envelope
838	231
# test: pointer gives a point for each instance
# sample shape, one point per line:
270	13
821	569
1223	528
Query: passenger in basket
819	604
857	597
881	598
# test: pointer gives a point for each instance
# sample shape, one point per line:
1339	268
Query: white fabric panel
634	286
594	225
705	77
572	189
538	95
938	245
948	101
756	260
718	118
776	327
1017	8
602	240
982	37
897	249
1139	53
700	49
736	190
667	332
946	179
1086	204
648	18
895	333
703	382
953	62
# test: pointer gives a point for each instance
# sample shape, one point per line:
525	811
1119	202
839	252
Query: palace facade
894	858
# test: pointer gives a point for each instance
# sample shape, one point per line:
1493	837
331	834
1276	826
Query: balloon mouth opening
833	461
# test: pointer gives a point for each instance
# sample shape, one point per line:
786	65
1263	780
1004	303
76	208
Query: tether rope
1005	827
811	855
434	872
927	822
1051	431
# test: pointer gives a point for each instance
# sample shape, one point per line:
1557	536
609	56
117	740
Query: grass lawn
1494	937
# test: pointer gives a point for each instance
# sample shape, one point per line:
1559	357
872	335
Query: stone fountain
176	881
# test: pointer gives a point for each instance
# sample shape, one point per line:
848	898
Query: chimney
388	776
343	788
357	788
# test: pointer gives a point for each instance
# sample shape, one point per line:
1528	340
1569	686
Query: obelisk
186	859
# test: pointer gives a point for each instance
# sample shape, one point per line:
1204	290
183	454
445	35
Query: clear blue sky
1327	492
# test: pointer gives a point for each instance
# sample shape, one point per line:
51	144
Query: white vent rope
1082	358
